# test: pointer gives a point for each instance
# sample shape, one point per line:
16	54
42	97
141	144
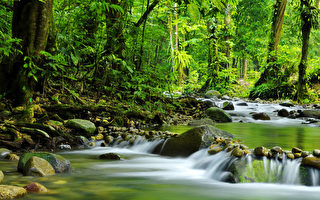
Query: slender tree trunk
272	69
244	67
227	23
171	43
142	40
306	31
32	22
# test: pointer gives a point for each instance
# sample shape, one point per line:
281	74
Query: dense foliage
135	50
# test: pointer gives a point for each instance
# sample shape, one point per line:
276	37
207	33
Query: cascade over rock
192	140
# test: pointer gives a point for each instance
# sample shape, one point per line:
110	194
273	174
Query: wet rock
296	150
316	152
305	154
92	144
215	150
108	139
82	140
12	156
218	115
192	140
209	103
1	176
276	149
212	93
11	192
60	164
99	137
283	113
286	104
311	162
4	152
38	167
237	152
261	151
228	105
35	188
64	147
84	126
200	122
297	155
225	97
243	147
260	116
242	104
103	144
109	156
290	156
310	113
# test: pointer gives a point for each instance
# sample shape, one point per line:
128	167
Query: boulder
109	156
1	176
228	105
212	93
35	188
316	152
192	140
84	126
11	192
60	164
311	162
218	115
237	152
283	113
260	116
296	150
200	122
286	104
36	166
242	104
290	156
305	154
310	113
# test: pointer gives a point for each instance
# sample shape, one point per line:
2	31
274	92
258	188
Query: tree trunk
227	23
272	69
114	29
306	31
142	40
171	42
32	23
244	67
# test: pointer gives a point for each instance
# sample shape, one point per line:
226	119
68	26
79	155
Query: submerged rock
218	115
35	188
60	164
242	104
228	105
38	167
11	192
109	156
215	150
84	126
192	140
286	104
260	116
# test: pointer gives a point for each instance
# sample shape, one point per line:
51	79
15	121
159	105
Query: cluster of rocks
32	164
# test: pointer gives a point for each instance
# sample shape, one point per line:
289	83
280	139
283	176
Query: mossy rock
36	166
200	122
11	192
192	140
83	126
212	94
218	115
59	163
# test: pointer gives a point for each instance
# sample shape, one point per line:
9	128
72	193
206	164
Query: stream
141	175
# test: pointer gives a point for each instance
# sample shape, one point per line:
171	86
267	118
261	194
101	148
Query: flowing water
144	176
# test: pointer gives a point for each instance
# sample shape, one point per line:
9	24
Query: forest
159	99
136	50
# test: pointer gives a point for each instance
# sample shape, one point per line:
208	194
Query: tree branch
145	15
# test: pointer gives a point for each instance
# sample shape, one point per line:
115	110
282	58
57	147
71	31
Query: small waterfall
140	144
314	176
